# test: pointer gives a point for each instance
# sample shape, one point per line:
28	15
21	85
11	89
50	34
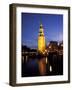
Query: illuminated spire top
41	26
41	33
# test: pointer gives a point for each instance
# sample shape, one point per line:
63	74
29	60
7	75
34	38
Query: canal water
45	66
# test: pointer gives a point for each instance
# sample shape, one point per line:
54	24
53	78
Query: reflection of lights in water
50	68
46	60
42	66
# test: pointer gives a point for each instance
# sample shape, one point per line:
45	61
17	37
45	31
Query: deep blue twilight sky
52	24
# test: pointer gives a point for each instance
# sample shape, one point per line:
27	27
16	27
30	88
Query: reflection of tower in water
41	40
42	66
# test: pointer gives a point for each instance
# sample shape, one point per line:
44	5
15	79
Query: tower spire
41	39
41	32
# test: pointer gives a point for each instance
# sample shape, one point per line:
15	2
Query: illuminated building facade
41	40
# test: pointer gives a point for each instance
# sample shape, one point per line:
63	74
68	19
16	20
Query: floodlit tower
41	40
